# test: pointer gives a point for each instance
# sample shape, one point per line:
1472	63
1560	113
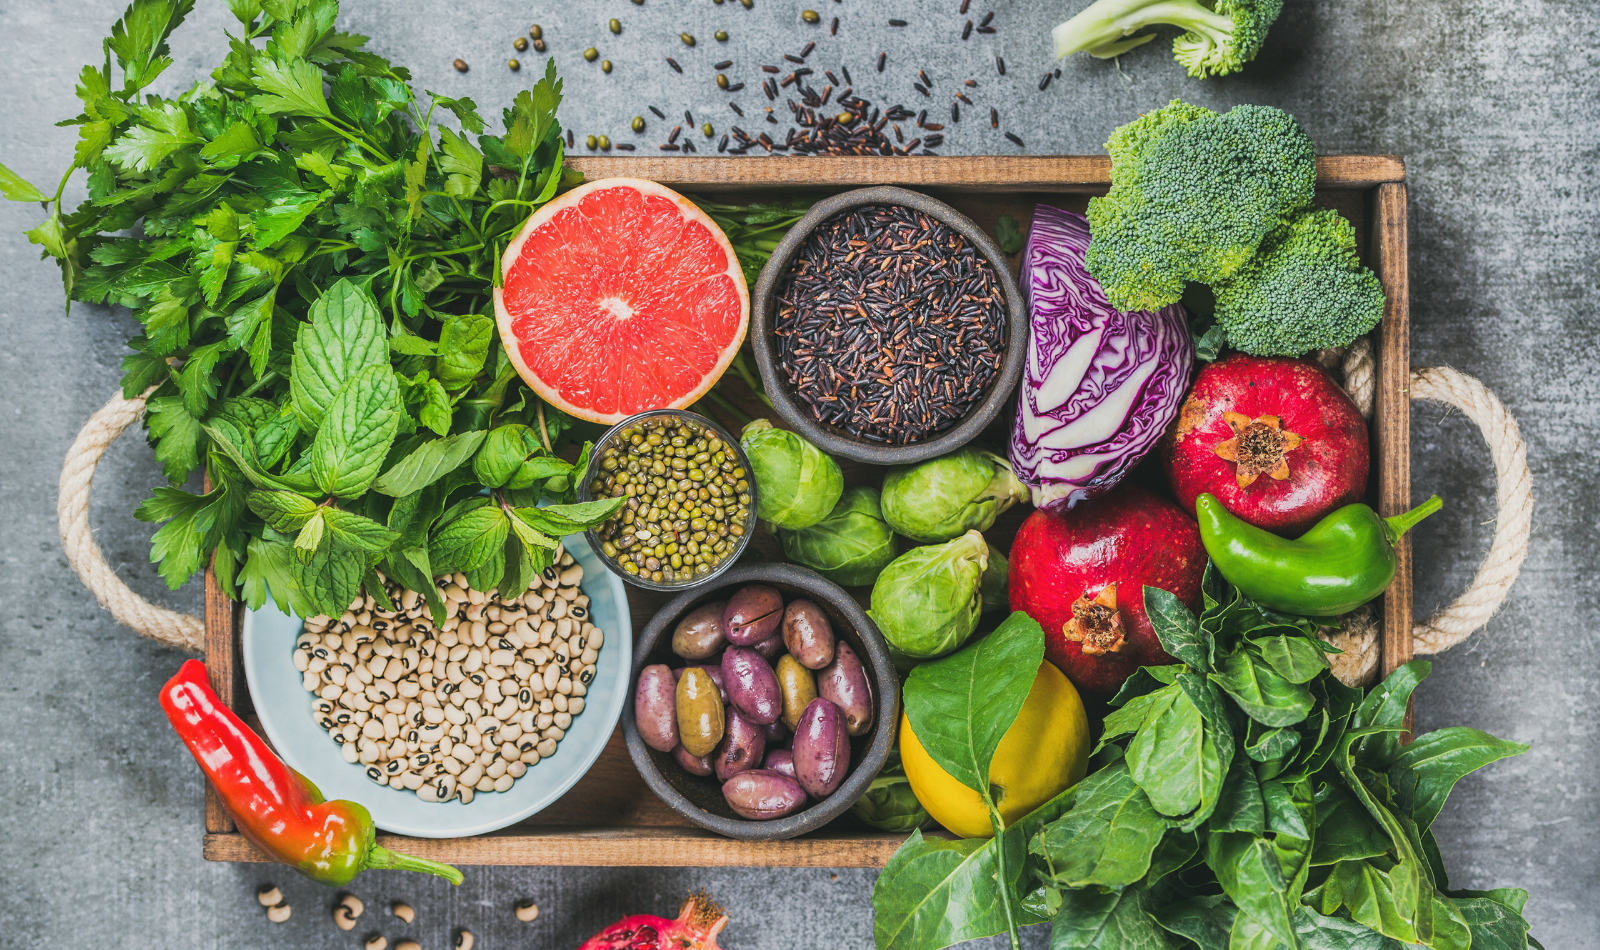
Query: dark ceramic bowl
700	799
834	440
589	475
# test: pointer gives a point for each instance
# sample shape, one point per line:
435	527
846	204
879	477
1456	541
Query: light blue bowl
286	717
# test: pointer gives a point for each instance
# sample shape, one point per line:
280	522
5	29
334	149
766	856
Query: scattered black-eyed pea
278	913
346	912
403	911
527	910
269	895
376	942
407	945
463	940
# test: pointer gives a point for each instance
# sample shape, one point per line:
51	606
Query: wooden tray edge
623	847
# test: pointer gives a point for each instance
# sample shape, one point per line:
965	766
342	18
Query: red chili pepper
275	807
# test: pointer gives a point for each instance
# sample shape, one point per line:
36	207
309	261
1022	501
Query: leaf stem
1002	884
376	152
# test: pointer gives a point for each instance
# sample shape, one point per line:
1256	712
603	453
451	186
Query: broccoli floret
1222	35
1193	193
1305	290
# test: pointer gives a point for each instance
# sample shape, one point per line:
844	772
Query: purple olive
771	648
808	634
693	764
845	682
780	761
698	635
821	748
760	794
752	686
713	670
654	708
752	615
775	733
741	748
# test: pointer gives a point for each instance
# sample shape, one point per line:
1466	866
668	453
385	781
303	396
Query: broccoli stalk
1304	290
1220	35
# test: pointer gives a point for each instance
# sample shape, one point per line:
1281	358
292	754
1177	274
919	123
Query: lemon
1044	752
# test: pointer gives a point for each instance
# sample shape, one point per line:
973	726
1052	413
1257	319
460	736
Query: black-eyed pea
279	913
376	942
527	911
269	895
463	940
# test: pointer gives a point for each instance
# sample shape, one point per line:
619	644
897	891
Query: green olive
700	714
798	687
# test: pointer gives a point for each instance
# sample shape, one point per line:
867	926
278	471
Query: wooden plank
617	847
221	648
980	173
1392	412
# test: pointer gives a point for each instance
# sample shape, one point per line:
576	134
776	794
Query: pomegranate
696	928
1082	575
1275	439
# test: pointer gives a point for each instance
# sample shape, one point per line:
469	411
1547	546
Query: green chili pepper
1345	560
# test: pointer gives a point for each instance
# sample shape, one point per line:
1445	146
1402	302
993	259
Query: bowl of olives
764	705
691	506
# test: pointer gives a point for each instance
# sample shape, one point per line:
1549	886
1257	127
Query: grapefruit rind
629	364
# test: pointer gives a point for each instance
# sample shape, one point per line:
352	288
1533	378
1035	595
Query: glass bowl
585	493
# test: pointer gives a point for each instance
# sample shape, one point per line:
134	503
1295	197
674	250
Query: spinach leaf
1495	923
934	892
960	706
1180	634
1264	695
1091	919
1173	759
1250	874
1386	705
1108	837
1295	658
1345	831
1240	806
1206	920
1425	771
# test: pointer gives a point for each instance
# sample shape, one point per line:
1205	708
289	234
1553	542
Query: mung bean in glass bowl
692	501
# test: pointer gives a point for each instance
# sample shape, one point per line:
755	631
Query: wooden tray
610	818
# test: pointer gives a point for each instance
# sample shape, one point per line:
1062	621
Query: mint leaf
463	345
309	540
349	449
356	532
469	541
331	578
345	336
562	520
428	463
17	188
437	411
283	511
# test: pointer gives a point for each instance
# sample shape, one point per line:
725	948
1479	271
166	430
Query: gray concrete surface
1493	109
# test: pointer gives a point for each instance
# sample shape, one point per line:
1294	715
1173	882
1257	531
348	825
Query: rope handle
1357	637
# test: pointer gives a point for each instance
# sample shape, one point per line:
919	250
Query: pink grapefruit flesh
618	297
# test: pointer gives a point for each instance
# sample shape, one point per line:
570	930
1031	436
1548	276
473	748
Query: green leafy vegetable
1316	838
312	264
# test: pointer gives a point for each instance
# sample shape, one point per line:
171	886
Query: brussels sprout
796	484
889	804
941	498
850	546
927	601
995	576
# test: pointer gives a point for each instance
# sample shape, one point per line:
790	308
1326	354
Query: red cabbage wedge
1101	385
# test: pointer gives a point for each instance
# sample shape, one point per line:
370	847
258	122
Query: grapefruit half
618	297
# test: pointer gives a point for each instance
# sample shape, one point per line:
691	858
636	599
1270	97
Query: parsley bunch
313	262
